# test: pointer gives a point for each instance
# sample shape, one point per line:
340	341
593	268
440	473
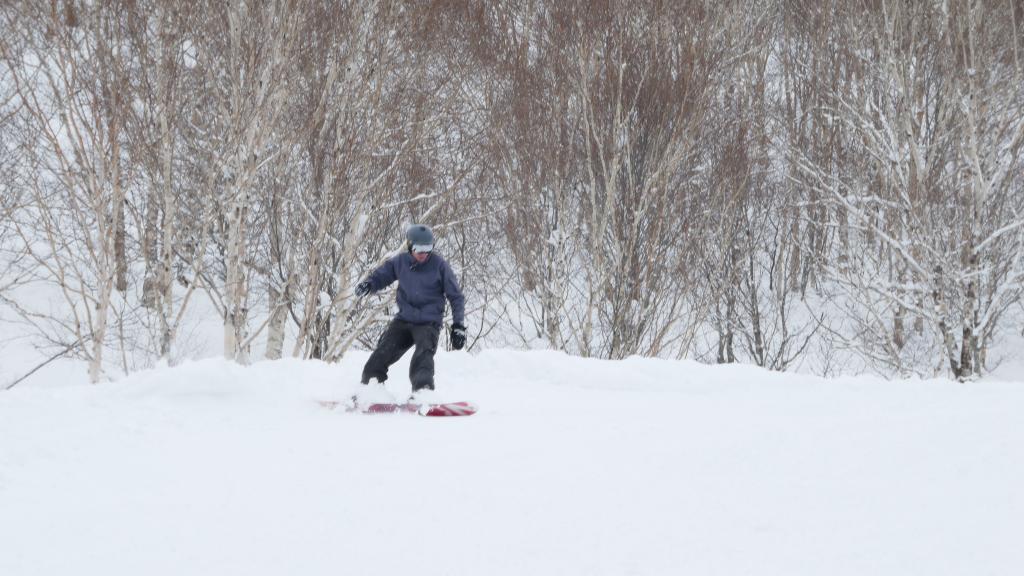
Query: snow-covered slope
572	466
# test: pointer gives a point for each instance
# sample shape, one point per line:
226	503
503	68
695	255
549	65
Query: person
425	280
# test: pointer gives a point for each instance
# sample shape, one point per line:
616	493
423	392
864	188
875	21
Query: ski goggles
422	248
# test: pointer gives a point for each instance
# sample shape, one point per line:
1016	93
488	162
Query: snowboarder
425	280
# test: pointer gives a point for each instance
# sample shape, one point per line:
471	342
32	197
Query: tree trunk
236	313
275	328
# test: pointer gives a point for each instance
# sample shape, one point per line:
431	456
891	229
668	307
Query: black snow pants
396	341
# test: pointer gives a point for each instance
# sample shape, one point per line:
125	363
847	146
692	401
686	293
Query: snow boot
424	397
372	392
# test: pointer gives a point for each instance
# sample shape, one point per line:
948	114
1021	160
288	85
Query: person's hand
458	336
363	288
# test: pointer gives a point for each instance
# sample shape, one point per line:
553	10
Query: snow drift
572	466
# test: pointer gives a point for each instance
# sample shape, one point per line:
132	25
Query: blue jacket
422	288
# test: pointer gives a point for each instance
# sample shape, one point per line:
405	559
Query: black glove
363	288
458	336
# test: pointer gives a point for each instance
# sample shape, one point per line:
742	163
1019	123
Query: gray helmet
420	238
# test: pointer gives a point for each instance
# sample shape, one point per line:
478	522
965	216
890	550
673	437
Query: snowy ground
572	466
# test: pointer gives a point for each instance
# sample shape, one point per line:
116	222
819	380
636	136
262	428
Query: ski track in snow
572	466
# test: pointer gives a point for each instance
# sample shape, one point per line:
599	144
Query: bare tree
165	209
935	218
604	120
69	75
245	51
373	109
738	182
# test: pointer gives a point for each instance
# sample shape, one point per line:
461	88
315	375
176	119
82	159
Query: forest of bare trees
830	186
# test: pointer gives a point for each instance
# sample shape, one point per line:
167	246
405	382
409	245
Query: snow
572	466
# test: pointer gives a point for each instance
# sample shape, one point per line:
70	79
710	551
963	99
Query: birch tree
172	224
752	262
987	277
69	75
938	221
245	51
11	250
603	243
533	152
371	105
738	182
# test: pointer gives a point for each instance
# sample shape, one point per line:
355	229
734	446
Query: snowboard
445	409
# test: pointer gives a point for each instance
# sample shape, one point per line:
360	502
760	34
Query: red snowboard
446	409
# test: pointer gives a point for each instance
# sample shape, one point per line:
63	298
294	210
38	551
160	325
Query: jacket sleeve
382	277
454	294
